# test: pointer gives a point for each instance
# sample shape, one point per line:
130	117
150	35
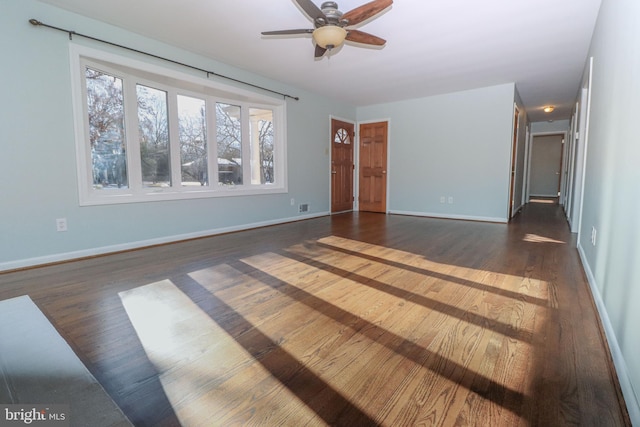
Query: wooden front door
372	195
342	137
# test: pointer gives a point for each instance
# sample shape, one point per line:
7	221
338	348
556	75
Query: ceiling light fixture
548	109
329	36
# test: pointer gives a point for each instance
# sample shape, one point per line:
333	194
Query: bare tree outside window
229	138
105	107
153	129
192	121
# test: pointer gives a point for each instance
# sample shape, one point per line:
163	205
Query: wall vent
303	207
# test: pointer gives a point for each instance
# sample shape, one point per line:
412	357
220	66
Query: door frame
329	153
356	159
570	158
513	172
581	154
562	162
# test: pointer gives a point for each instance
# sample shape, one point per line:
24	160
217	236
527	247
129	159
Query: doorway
372	194
342	140
546	164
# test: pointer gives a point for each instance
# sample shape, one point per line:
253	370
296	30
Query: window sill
102	197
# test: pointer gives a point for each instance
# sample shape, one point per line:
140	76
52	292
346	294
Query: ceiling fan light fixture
548	109
329	36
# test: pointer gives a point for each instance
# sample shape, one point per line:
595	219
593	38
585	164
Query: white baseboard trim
68	256
630	397
451	216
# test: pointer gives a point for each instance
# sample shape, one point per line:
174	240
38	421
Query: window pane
342	137
229	136
193	141
261	146
154	137
105	105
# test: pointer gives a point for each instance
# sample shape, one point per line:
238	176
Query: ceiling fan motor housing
331	12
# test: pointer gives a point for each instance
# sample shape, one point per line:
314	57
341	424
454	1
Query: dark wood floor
355	320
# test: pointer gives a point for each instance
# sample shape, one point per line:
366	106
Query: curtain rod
71	33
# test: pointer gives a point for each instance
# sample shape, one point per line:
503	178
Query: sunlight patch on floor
343	351
347	347
544	200
197	361
325	314
535	238
534	288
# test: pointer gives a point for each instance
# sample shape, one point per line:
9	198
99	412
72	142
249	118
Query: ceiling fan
333	27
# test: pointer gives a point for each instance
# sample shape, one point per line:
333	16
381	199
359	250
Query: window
192	125
261	138
229	135
153	128
148	133
342	137
105	105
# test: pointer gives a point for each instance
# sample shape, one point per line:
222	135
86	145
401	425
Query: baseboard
451	216
68	256
631	400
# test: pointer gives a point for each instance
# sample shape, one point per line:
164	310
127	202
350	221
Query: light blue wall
457	145
612	187
38	171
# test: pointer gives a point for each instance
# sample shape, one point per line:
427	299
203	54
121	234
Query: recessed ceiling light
548	108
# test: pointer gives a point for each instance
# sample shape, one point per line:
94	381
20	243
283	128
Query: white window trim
81	55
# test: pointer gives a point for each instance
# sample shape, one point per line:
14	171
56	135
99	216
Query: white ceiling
433	46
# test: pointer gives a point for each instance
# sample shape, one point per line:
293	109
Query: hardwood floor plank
353	320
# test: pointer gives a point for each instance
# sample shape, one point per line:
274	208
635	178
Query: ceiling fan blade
285	32
313	11
366	38
366	11
320	51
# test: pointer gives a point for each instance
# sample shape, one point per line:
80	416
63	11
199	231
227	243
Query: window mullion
279	153
174	140
212	143
246	144
132	135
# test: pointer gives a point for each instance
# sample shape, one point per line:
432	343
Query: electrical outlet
293	201
442	199
61	224
450	200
